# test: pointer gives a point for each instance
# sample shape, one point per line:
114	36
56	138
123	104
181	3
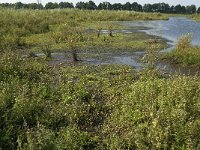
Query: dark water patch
171	68
170	30
126	58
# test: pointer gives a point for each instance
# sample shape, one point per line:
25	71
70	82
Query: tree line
90	5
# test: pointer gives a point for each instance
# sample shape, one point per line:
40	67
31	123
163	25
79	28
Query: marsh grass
195	17
185	53
46	49
76	106
27	28
80	106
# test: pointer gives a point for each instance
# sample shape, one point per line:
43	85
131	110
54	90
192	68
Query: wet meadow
59	87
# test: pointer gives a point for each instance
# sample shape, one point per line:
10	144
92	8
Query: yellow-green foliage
94	107
185	53
195	17
31	27
77	106
156	114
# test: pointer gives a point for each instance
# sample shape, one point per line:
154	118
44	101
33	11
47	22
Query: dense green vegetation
89	107
185	53
78	106
196	17
34	30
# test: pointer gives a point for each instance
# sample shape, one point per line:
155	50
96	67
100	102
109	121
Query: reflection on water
131	59
170	29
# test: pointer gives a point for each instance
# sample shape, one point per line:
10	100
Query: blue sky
171	2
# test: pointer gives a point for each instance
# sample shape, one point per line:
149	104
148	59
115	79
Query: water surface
170	29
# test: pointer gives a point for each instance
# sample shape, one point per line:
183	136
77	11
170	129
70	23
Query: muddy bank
175	68
128	56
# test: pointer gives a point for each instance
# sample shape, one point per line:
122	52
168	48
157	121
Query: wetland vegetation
185	53
76	105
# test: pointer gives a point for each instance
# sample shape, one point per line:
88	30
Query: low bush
185	53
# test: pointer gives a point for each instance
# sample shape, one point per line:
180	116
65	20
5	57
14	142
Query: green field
74	105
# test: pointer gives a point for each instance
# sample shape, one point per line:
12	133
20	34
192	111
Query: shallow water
170	29
130	59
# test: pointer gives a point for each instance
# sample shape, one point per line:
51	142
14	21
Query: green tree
19	5
51	5
136	7
183	9
191	9
34	6
104	6
163	8
91	5
155	7
6	5
172	9
80	5
117	6
65	5
127	6
147	8
179	9
198	10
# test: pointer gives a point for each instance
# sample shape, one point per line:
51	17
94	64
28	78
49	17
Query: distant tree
105	6
51	5
136	7
163	8
183	9
179	9
81	5
155	7
86	5
147	8
139	8
65	5
127	6
18	5
7	5
40	6
91	5
117	6
172	9
34	6
198	10
191	9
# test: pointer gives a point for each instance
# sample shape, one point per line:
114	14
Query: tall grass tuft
185	53
184	43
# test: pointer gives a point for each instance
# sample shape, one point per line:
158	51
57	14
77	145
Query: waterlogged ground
167	30
71	105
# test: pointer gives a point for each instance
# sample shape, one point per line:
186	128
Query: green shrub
72	138
156	114
185	53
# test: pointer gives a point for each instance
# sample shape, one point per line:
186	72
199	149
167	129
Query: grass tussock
185	53
31	29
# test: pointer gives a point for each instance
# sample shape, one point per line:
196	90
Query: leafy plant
185	53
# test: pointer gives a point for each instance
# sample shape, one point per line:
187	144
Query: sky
170	2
